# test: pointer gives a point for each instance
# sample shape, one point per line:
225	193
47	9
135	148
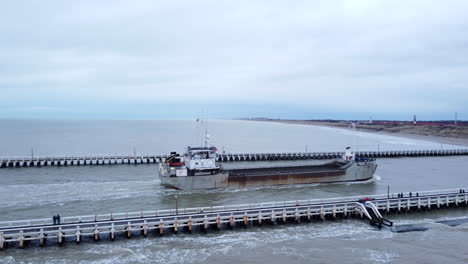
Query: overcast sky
288	59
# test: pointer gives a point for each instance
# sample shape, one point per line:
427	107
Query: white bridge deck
141	159
110	226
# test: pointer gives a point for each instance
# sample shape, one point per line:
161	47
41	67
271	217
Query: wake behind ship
198	169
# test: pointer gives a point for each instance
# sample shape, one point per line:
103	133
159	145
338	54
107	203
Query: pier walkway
111	226
143	159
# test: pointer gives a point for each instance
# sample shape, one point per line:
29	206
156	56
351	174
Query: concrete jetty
158	222
145	159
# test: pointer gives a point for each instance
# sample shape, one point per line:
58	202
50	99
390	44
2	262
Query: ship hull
203	182
352	172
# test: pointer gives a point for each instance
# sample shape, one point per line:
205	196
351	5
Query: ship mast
207	136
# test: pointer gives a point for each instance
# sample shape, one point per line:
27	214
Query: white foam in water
196	248
8	260
39	194
381	256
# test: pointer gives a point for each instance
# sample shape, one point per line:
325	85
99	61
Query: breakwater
159	222
145	159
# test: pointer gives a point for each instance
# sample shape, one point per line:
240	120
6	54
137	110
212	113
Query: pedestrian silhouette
58	219
54	218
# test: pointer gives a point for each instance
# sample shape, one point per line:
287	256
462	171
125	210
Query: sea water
42	192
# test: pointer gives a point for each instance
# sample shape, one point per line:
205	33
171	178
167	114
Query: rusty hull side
282	179
351	173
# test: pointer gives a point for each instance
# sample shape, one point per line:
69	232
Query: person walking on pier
54	218
58	219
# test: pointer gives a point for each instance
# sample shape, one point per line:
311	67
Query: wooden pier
158	222
145	159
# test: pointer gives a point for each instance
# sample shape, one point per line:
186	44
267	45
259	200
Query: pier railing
110	225
215	209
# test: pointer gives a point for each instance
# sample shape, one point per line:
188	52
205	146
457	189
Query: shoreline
434	138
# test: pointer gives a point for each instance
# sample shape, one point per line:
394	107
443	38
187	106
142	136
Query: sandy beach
445	134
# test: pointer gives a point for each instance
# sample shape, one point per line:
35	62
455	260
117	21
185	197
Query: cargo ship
198	169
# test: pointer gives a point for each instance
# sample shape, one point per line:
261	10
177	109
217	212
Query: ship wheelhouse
201	161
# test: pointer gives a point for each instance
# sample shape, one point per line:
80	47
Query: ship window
196	163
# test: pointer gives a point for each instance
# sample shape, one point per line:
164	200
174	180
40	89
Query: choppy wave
197	248
381	256
39	194
353	239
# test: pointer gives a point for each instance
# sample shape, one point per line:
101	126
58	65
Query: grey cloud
357	55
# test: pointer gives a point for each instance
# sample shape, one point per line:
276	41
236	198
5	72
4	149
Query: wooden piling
78	234
231	220
96	233
60	236
145	228
161	227
41	238
189	224
205	223
21	239
112	232
176	225
218	222
129	230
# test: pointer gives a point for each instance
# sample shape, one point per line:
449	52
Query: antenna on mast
204	136
207	137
